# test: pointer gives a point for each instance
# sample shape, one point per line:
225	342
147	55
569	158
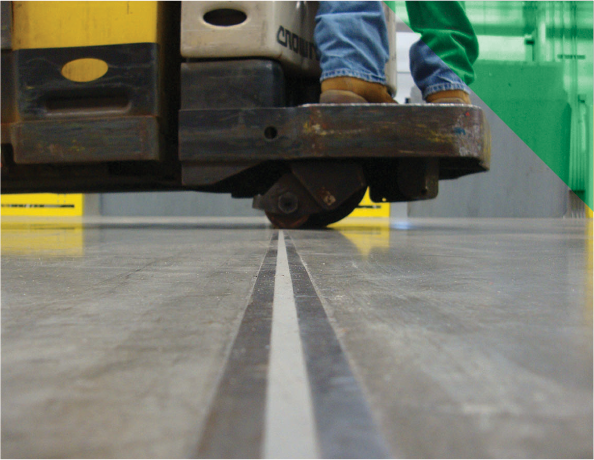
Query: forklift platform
215	337
308	165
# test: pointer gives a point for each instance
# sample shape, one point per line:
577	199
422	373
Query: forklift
214	97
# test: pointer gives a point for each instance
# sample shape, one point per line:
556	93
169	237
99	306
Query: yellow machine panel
42	204
66	24
368	208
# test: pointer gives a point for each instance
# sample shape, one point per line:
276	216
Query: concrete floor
219	337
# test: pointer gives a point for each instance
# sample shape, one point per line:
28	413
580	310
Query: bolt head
288	203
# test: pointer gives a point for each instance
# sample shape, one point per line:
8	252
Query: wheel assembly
313	194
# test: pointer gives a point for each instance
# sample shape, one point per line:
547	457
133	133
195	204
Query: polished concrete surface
223	337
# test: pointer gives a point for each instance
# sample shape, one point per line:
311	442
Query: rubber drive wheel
318	220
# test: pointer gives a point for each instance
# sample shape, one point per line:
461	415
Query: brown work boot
350	90
454	96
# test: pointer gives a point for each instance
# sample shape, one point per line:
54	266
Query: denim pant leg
446	32
352	39
430	73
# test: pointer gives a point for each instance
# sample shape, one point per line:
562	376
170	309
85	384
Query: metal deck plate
456	134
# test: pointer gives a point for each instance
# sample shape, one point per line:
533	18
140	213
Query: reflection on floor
225	337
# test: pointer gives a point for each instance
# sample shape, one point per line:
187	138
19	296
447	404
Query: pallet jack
224	100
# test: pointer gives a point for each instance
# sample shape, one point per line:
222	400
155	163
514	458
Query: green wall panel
535	72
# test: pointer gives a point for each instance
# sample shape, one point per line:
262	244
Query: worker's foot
350	90
455	96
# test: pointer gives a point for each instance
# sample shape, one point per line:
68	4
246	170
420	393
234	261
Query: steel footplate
457	135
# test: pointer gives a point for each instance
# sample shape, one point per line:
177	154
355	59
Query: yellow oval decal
83	70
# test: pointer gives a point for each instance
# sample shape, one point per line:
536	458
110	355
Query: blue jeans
430	73
352	39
